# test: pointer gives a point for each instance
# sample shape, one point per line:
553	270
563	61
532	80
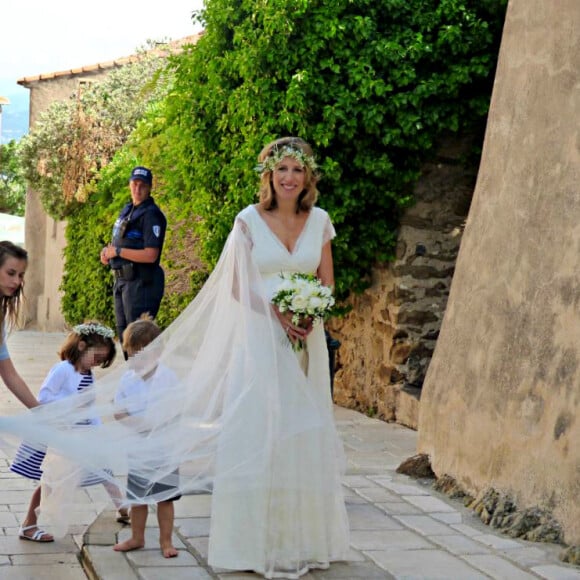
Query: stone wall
500	407
388	338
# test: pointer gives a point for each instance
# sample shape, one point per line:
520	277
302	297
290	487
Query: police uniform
138	286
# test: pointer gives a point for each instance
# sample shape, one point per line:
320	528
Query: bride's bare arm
325	270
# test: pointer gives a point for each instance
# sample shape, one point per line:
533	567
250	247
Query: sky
37	36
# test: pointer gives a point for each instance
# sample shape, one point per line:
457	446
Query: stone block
497	567
388	540
440	564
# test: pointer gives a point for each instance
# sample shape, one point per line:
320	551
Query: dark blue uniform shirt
139	227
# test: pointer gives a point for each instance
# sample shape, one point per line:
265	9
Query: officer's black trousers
135	297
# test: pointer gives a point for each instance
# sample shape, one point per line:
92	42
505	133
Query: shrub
12	182
74	139
371	84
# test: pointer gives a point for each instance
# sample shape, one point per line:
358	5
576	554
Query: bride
248	416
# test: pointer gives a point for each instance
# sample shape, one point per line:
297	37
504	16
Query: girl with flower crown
87	346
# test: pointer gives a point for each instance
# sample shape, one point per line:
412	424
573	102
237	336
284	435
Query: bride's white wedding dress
295	518
243	415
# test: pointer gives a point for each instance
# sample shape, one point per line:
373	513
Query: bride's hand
294	332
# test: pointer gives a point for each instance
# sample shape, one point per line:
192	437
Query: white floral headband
286	151
94	328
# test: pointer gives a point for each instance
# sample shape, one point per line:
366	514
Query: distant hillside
14	115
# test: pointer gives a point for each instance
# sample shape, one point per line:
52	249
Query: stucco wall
501	399
44	238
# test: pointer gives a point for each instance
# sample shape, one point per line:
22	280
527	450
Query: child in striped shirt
87	346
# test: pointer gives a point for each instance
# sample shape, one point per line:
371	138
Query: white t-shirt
136	394
62	381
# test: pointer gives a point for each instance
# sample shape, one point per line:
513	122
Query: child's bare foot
169	551
128	545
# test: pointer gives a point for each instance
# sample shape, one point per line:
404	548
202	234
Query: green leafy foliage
373	85
87	285
12	182
74	139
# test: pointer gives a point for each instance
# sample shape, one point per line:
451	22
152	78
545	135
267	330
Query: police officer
134	254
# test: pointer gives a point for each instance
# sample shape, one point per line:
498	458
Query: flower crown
94	328
278	154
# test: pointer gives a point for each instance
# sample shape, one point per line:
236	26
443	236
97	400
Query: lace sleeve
245	230
329	232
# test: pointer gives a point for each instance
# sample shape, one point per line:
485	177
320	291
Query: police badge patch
157	231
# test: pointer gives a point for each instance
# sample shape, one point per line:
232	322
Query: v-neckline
275	236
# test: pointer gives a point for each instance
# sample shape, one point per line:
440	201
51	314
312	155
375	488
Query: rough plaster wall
44	238
501	401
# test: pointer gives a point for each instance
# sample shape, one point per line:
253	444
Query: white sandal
36	537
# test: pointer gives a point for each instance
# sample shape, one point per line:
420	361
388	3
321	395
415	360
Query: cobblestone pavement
400	528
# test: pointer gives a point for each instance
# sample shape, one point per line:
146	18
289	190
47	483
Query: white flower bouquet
305	297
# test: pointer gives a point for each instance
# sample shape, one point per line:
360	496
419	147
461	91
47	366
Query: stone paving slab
361	570
193	527
150	558
11	545
44	560
198	505
8	519
176	574
368	517
420	564
388	540
551	572
400	528
398	508
101	562
459	545
497	567
64	571
528	557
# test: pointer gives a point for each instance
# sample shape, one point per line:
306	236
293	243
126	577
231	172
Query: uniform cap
143	174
